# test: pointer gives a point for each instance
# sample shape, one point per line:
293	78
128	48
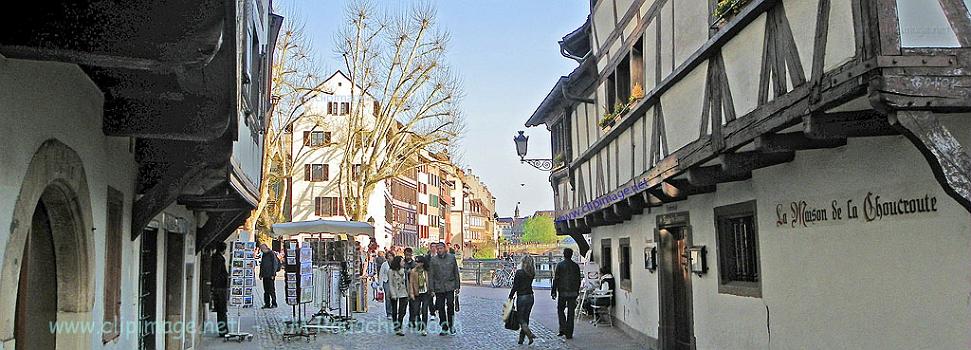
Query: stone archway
55	182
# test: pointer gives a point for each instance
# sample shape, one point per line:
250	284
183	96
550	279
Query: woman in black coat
522	288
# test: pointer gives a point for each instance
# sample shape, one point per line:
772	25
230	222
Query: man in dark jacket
219	283
566	284
445	281
269	265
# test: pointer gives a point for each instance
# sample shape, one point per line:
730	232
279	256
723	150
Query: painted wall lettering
873	206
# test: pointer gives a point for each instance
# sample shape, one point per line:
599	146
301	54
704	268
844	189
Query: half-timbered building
771	173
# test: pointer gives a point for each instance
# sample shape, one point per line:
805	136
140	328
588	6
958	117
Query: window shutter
326	171
377	108
330	108
306	172
306	138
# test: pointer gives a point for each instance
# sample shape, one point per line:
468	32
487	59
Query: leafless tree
296	81
396	58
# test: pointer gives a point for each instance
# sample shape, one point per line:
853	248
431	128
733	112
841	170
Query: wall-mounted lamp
650	258
699	259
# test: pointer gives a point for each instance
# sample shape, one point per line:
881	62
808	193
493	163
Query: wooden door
675	289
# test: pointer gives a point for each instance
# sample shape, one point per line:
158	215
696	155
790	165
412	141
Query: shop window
738	250
625	263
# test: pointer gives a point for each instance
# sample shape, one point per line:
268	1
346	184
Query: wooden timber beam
715	174
160	196
622	210
949	160
218	226
594	219
212	203
743	162
610	217
794	141
842	125
636	204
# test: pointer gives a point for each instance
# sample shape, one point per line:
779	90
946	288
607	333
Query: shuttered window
316	172
327	206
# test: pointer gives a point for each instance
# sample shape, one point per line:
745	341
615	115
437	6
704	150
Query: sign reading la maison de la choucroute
868	207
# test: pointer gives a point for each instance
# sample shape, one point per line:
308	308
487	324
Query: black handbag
512	322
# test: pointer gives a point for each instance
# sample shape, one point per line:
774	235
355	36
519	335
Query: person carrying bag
509	316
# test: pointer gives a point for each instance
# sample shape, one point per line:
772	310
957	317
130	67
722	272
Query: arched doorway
37	290
47	272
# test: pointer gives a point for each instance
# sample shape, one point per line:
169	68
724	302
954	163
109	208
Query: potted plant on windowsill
559	160
608	120
725	10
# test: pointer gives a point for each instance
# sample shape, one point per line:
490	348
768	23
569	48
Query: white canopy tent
352	228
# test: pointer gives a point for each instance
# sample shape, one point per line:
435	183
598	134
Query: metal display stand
341	272
299	287
241	285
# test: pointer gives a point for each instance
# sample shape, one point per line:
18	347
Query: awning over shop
353	228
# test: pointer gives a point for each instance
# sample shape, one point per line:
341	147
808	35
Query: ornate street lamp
521	142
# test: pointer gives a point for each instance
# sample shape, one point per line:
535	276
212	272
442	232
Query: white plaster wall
664	22
682	108
897	283
625	160
690	28
650	55
841	43
45	100
802	20
743	63
603	21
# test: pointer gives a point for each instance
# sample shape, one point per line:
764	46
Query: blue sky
507	55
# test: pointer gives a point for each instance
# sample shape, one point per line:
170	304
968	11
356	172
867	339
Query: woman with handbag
522	289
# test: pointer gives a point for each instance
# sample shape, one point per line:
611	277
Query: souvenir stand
336	276
298	269
241	282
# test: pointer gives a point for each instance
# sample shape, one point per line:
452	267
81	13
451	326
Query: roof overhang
565	93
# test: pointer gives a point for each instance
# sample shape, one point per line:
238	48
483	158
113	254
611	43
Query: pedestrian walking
432	251
397	295
219	281
445	282
269	265
419	296
522	289
407	264
383	277
566	285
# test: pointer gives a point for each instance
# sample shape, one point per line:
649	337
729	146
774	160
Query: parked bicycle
502	276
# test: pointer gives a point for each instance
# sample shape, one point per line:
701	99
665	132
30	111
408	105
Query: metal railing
483	272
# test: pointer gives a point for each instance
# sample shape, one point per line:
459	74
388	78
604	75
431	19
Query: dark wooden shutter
306	138
326	171
377	108
306	172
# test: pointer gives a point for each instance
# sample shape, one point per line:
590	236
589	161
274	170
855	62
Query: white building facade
317	152
771	177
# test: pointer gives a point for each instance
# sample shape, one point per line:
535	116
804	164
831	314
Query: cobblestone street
478	325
